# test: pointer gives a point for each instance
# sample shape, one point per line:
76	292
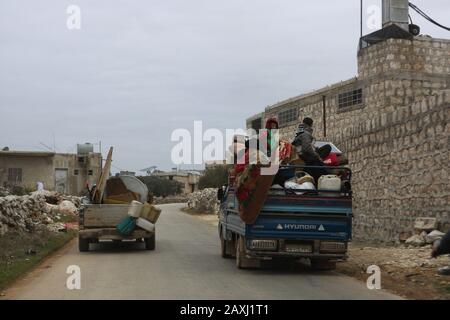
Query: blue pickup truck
291	225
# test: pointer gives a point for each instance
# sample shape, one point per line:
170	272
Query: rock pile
204	201
29	212
425	232
23	212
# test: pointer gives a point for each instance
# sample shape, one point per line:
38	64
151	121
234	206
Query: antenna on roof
46	146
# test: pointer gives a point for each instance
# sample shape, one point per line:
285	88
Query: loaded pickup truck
292	224
98	222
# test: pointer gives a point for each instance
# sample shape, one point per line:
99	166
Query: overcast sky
138	69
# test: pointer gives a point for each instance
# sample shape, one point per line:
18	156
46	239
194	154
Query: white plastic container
329	183
146	225
135	209
295	186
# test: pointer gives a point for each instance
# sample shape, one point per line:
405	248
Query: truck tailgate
103	215
301	226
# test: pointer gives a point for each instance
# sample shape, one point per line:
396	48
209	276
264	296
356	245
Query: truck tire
83	244
323	265
242	262
224	247
150	243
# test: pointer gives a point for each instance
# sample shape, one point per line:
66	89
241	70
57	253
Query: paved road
185	265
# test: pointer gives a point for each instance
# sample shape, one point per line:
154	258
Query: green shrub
161	187
214	177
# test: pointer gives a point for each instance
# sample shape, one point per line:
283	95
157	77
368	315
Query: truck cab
293	224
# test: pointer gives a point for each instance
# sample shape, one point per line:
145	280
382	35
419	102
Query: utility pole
361	18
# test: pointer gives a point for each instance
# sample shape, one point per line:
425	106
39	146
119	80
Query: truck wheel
224	248
323	265
242	262
83	244
150	243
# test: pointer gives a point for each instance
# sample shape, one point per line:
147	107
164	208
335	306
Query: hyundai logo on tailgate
305	227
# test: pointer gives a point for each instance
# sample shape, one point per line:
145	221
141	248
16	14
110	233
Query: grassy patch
67	218
20	252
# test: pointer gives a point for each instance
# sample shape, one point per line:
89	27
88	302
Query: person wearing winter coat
304	144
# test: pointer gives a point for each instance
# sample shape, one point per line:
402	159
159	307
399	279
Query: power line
427	17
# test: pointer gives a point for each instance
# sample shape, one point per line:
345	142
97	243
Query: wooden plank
104	215
101	184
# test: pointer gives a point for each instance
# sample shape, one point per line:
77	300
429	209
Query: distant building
211	164
65	173
127	173
189	179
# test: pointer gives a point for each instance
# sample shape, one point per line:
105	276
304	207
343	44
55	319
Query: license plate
298	248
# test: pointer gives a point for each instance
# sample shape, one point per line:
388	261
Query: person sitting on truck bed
304	144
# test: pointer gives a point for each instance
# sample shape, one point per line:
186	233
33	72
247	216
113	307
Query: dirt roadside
408	272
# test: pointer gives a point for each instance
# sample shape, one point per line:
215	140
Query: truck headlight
333	247
267	245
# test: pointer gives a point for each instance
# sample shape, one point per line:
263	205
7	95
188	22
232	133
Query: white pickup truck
98	222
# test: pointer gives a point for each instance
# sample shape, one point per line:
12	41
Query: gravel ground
408	272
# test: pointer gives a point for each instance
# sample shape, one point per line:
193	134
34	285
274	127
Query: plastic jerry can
146	225
150	213
329	183
135	209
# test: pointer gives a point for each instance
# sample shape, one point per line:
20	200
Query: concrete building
127	173
65	173
189	179
393	122
212	164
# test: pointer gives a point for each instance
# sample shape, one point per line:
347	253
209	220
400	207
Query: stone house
188	179
393	122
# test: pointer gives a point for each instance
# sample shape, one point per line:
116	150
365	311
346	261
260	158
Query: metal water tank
85	149
396	12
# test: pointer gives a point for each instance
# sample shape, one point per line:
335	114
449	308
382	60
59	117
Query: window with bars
287	116
350	98
15	175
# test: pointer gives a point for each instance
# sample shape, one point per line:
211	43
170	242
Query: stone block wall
397	139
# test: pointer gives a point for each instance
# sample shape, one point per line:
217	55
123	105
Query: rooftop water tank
85	149
396	12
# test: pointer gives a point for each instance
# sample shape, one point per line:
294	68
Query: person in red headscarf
243	157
